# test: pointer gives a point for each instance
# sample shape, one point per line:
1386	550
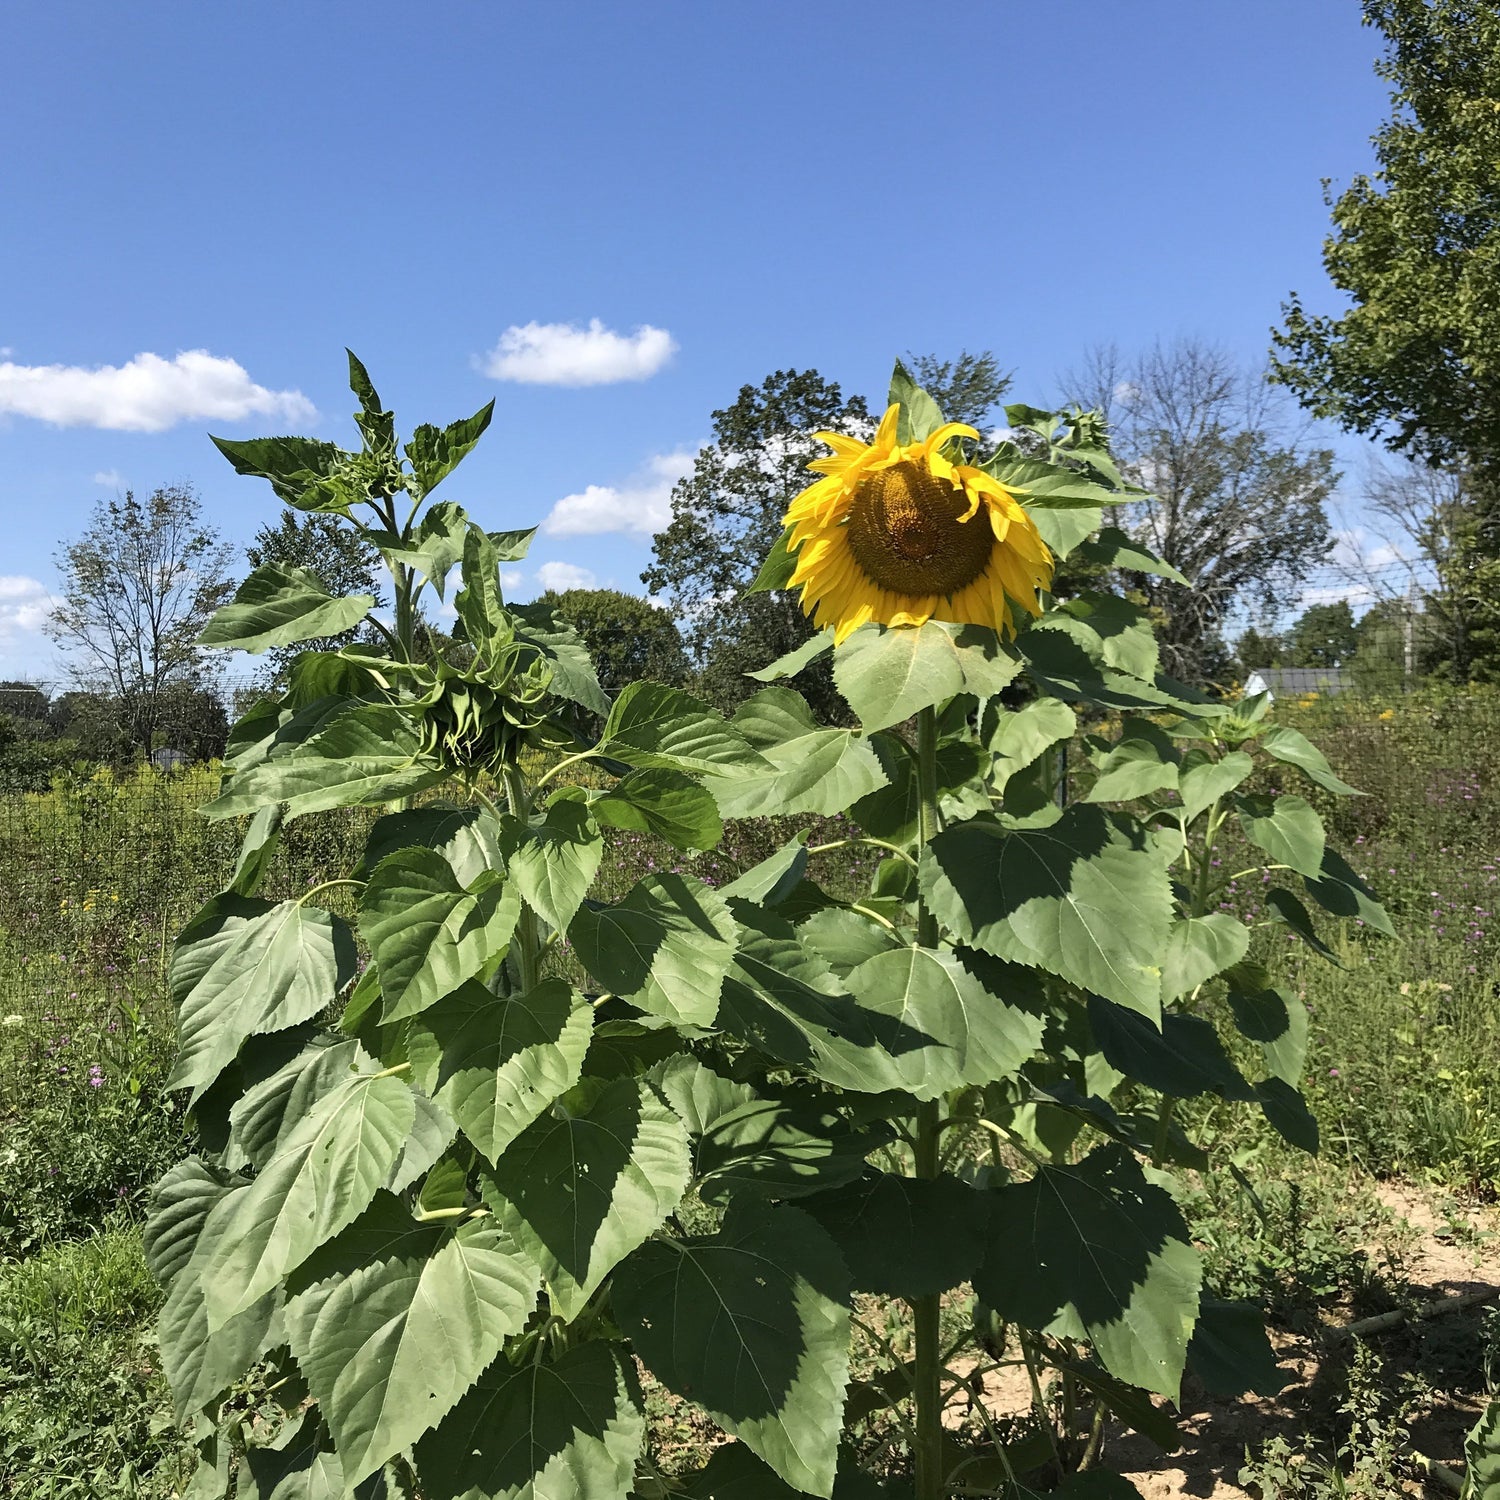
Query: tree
629	638
1416	251
967	389
138	587
1237	494
1325	636
342	561
1256	650
726	517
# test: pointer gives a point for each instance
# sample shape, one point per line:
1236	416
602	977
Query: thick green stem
927	1311
528	942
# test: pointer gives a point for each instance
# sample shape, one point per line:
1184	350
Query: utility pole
1409	632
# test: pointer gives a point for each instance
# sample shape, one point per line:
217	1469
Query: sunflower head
899	534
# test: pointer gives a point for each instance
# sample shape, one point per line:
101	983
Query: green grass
84	1409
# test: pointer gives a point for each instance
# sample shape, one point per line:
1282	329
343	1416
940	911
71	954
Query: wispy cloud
564	575
25	604
146	394
565	354
111	479
640	507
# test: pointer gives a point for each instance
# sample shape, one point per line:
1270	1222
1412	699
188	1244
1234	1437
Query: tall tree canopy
1415	248
726	516
138	587
629	637
1324	636
967	389
1238	496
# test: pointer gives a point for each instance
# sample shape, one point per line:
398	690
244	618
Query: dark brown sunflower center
905	533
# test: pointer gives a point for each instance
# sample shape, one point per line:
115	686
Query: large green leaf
1295	749
243	967
757	1143
1047	486
1285	907
1198	948
1064	530
666	947
587	1182
796	659
427	933
565	1430
279	606
1338	889
655	726
297	468
808	769
394	1320
1087	898
556	862
1114	548
1113	632
540	628
301	1465
893	812
1482	1455
327	1170
774	878
480	603
180	1203
1288	1114
844	939
752	1323
1275	1019
783	999
920	416
1230	1354
667	803
469	838
1203	780
201	1363
435	452
1135	767
1184	1058
436	547
495	1064
906	1236
776	571
269	1108
733	1472
1288	830
368	754
1096	1252
941	1026
1020	736
887	674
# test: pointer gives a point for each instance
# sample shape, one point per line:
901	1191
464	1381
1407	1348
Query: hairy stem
926	1311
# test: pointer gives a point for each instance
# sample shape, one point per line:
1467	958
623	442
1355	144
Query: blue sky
667	199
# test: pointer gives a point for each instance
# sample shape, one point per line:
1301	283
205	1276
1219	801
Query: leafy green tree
1324	636
726	517
1256	649
1236	494
968	389
1415	250
628	637
139	586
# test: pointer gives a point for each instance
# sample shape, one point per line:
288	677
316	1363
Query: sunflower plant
479	1148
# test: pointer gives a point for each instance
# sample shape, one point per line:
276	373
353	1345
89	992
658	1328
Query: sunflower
899	535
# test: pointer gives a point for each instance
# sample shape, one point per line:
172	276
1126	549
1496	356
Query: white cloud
642	506
111	479
563	575
25	604
564	354
147	394
6	351
511	579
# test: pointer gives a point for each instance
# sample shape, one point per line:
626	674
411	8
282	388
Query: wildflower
96	1076
899	535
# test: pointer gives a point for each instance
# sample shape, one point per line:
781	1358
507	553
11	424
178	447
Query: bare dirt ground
1454	1252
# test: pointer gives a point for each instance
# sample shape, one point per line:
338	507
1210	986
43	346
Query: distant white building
1293	682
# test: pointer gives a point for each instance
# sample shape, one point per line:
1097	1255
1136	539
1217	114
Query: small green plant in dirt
85	1130
741	1133
84	1408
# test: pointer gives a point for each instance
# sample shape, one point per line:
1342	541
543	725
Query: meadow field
97	874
